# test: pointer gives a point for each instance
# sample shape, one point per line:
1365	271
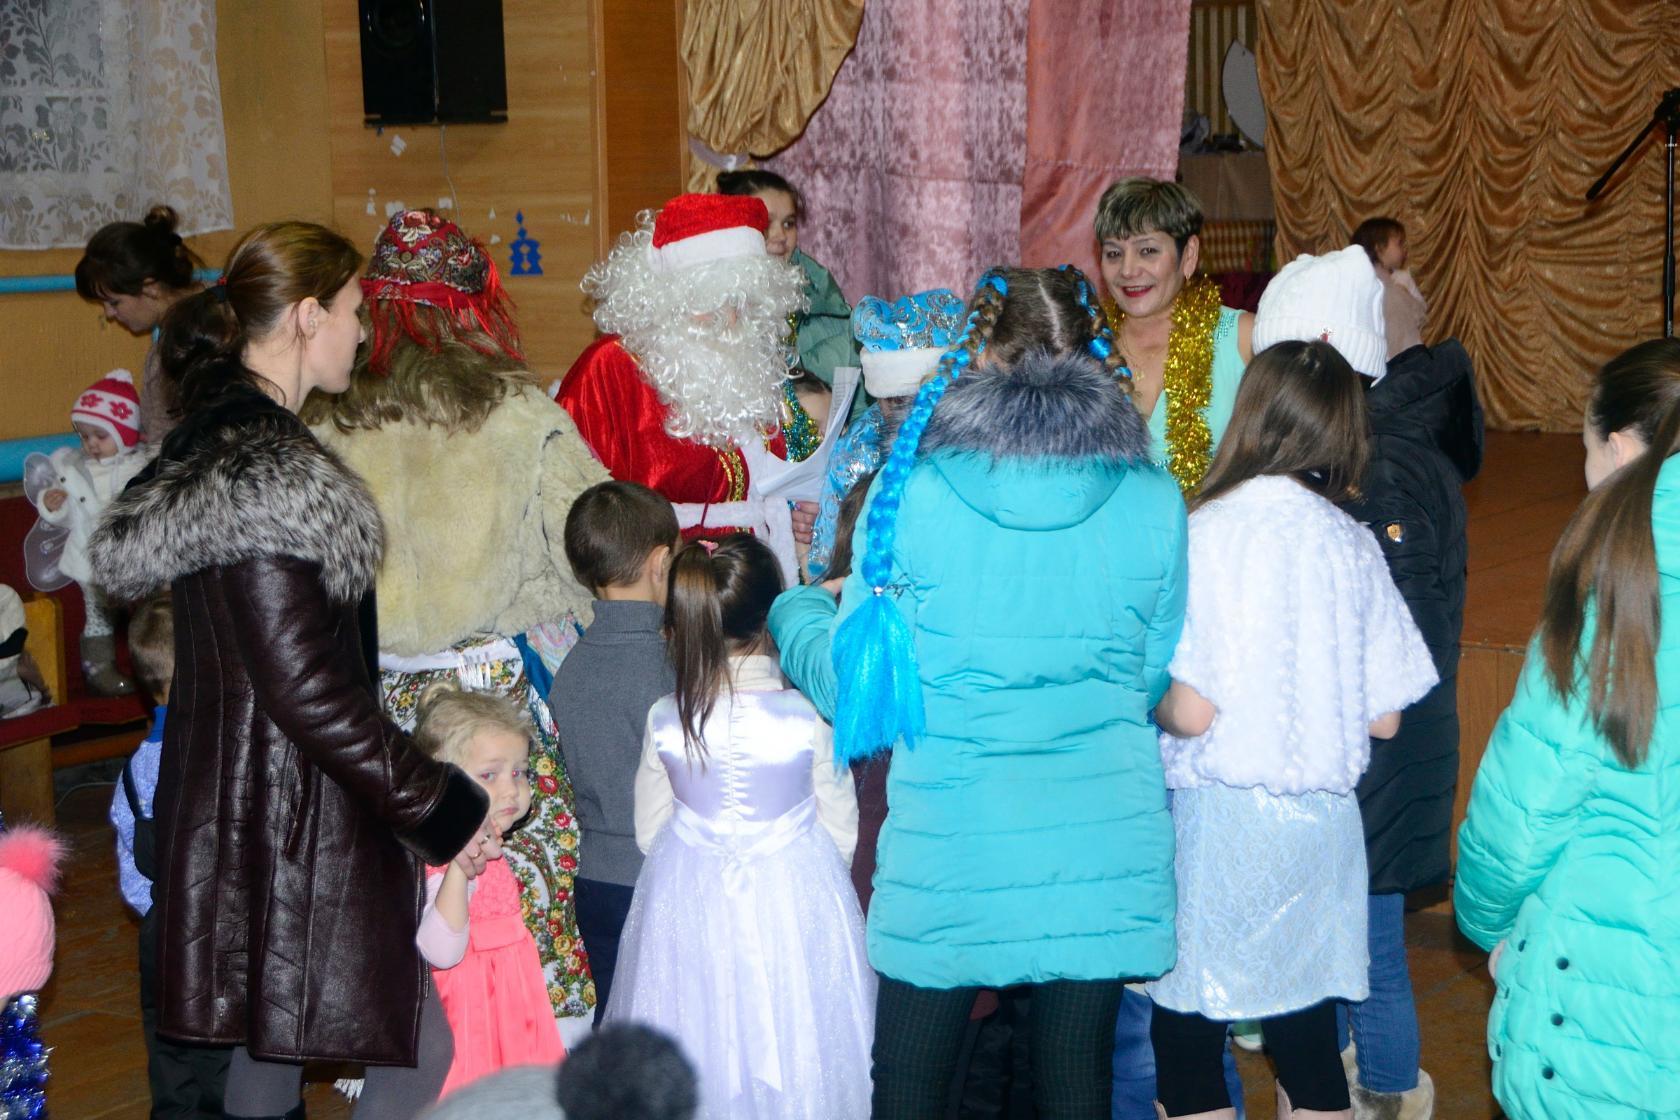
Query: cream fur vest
474	522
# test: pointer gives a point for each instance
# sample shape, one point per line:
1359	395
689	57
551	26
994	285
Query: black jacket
1427	426
291	815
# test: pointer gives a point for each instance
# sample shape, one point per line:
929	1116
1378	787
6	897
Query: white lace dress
1295	631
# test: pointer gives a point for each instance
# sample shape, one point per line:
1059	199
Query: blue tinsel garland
23	1060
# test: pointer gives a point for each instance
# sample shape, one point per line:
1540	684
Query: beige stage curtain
1480	124
757	70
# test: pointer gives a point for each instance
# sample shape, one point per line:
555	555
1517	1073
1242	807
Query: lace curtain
108	107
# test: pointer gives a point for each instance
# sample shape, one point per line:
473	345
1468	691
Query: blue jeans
1134	1062
1385	1025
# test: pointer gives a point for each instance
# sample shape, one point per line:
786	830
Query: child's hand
53	498
804	520
480	850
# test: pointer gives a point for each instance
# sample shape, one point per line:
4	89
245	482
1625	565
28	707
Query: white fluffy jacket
1296	633
474	522
90	486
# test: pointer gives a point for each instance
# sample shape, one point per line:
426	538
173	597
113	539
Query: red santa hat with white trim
111	405
697	229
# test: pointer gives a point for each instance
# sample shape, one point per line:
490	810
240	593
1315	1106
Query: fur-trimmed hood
1044	407
1039	445
240	480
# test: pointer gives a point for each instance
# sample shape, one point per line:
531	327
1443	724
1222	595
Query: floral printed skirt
542	854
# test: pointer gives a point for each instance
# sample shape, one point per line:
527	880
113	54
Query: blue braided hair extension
879	700
1101	345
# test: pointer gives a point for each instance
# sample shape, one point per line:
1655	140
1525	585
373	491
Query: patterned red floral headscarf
423	260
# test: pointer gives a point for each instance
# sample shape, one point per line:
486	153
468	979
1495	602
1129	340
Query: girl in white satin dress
745	940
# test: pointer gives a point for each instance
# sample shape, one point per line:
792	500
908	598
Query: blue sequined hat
903	340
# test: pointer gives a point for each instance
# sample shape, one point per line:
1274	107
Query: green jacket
1573	861
825	331
1027	836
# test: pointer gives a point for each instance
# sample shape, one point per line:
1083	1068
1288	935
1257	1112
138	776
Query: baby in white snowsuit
70	489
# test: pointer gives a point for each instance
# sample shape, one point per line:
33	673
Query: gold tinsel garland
1187	380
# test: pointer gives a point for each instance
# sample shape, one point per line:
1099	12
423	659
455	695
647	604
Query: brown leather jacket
290	812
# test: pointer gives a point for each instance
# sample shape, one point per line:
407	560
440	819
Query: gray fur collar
247	483
1045	406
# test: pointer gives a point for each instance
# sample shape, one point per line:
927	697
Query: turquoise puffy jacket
1040	563
1573	861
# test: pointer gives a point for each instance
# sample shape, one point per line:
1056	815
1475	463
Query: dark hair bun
163	220
122	256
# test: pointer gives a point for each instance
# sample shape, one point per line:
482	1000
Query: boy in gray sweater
619	539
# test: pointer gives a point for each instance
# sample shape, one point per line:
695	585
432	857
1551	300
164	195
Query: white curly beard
712	338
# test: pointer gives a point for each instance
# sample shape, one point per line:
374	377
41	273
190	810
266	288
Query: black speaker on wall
433	60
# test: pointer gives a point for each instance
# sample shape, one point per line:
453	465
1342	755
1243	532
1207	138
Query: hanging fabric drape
912	168
1480	124
106	108
961	134
757	70
1105	98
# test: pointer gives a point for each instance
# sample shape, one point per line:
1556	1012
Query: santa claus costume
683	393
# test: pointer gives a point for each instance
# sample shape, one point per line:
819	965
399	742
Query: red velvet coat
619	414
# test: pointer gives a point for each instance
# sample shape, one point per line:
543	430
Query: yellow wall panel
271	65
540	163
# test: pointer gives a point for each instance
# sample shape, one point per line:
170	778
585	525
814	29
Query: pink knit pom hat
29	860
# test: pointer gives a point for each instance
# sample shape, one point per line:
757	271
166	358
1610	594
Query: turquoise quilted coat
1028	836
1573	861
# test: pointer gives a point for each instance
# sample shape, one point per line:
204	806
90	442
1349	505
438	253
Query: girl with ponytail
292	816
744	939
1018	590
137	271
1566	867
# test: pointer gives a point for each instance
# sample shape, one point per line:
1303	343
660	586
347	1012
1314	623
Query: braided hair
1101	345
1012	311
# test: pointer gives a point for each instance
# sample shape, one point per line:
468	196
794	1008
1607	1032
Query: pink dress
494	998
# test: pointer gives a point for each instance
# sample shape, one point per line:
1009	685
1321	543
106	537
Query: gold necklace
1186	379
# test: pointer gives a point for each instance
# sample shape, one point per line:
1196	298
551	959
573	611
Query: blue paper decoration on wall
527	251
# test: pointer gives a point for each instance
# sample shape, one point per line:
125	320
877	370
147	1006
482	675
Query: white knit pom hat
1335	298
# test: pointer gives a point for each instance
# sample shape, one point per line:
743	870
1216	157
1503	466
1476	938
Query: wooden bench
26	759
98	727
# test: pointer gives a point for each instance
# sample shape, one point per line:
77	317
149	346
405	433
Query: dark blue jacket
1427	427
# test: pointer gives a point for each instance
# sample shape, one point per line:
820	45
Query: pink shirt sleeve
442	946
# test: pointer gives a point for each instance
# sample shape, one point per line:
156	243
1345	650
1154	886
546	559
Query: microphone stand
1667	114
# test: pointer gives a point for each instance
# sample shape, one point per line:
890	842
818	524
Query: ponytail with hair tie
202	338
880	693
720	594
